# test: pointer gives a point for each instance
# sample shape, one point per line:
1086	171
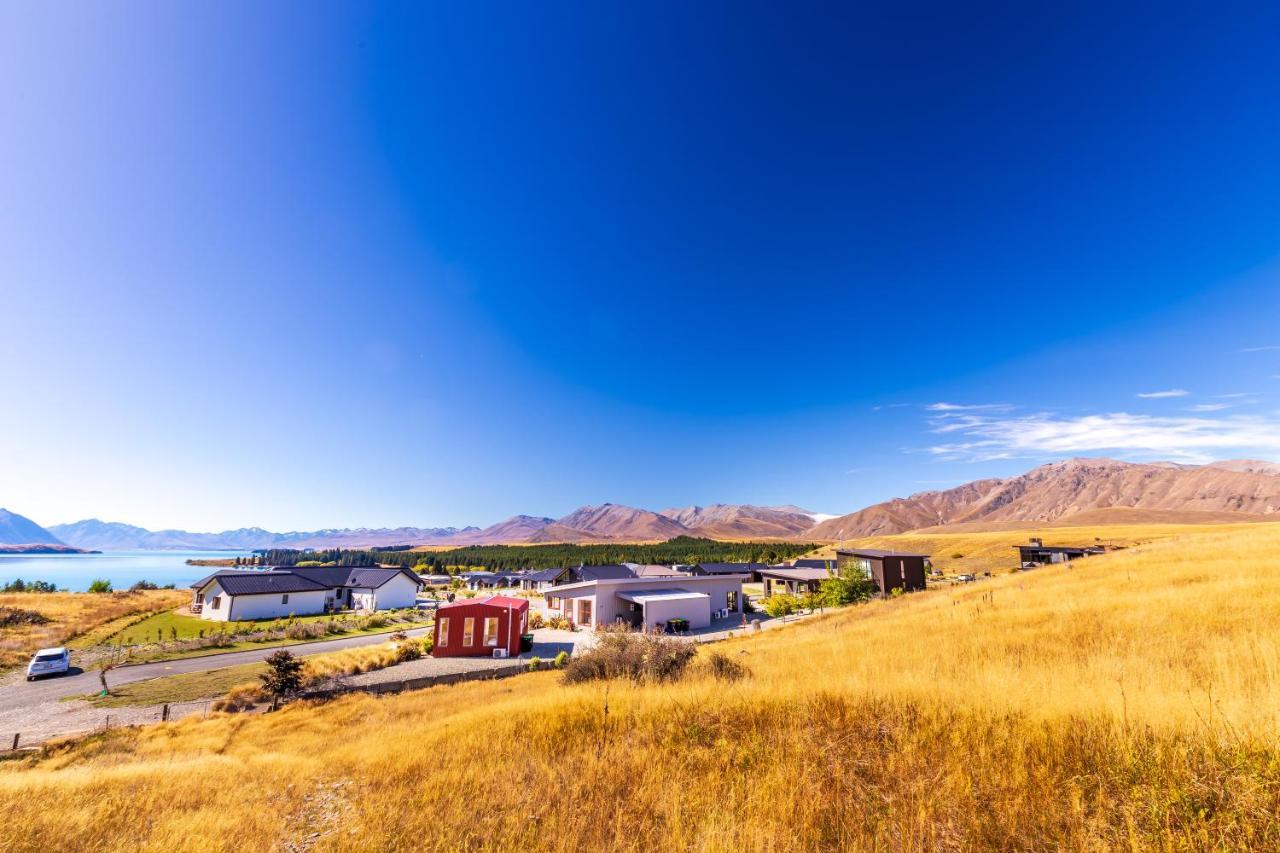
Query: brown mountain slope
1063	490
741	521
608	522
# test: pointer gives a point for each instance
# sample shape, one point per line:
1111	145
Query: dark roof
878	555
357	576
811	563
543	575
731	568
262	583
601	573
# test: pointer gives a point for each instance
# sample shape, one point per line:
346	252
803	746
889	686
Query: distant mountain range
114	536
1082	491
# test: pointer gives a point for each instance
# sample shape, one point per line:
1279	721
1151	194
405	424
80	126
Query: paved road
22	693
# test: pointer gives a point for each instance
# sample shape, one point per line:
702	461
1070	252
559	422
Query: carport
650	607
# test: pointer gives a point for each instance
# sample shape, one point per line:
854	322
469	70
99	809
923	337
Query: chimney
1037	542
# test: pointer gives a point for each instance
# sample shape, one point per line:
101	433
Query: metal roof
730	568
644	596
264	583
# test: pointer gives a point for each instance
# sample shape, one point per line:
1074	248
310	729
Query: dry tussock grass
72	614
1130	701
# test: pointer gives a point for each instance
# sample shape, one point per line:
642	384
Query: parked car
49	662
965	578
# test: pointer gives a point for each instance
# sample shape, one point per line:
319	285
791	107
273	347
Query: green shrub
560	660
837	592
535	664
781	605
100	585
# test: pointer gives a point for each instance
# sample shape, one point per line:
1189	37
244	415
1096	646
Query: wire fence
16	742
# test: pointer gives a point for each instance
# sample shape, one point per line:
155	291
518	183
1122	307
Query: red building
476	627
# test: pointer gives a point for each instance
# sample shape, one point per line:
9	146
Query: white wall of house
396	593
697	611
276	605
206	599
606	607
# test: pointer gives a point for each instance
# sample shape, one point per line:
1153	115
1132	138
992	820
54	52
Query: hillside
1061	490
19	530
1129	701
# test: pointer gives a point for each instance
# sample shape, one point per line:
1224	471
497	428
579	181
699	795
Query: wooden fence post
164	713
16	735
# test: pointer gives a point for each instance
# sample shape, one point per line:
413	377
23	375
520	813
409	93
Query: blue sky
308	265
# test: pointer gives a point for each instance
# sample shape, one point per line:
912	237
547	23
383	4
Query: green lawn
192	626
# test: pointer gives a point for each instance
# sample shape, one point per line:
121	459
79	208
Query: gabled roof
543	575
812	563
261	583
305	579
1063	549
602	573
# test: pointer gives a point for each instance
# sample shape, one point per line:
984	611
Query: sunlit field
74	614
1129	700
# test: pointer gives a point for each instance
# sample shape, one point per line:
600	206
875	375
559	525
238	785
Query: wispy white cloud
1272	348
963	407
1158	395
1209	407
1234	396
978	437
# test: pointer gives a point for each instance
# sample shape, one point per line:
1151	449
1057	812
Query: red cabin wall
508	638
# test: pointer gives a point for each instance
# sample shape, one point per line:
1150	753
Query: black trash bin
526	643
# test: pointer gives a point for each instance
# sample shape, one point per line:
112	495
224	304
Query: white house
647	602
240	595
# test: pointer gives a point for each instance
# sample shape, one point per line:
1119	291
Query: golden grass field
1129	701
75	614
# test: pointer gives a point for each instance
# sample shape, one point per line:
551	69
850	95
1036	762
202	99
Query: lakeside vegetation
1129	700
682	549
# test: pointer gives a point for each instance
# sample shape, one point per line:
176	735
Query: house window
217	600
199	598
442	633
284	599
584	611
469	631
491	631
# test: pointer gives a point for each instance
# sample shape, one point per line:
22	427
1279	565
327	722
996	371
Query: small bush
725	668
535	664
100	586
12	616
561	660
535	620
620	653
305	631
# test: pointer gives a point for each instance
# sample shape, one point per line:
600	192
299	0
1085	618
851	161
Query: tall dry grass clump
68	615
1128	701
